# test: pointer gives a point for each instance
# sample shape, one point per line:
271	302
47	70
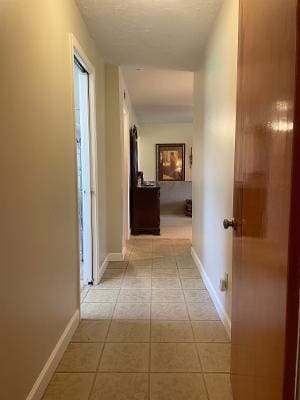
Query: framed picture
170	162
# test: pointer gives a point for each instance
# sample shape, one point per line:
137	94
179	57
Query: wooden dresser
146	210
144	197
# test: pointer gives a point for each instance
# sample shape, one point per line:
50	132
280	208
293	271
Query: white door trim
77	50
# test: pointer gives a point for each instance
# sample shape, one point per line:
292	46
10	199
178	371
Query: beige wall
214	137
39	246
115	86
152	134
114	160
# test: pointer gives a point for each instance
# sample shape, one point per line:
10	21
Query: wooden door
264	145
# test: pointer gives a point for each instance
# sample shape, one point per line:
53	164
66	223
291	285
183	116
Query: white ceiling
160	95
161	33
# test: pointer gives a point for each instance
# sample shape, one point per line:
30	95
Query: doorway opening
160	105
86	161
81	82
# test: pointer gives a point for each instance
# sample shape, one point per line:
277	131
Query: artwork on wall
170	162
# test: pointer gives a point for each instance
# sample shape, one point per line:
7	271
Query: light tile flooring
173	226
149	332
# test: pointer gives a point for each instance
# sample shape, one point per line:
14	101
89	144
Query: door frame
77	51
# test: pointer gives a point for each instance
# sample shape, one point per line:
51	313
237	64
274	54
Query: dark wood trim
291	348
183	160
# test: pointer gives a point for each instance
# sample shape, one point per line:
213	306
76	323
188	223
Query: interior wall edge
113	143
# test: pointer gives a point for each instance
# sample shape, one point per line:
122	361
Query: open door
82	112
263	180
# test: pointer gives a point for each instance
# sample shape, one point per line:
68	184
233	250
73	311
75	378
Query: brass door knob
229	224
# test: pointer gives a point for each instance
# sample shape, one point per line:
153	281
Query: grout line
95	376
198	356
75	372
105	339
87	287
149	339
145	341
205	386
195	343
143	372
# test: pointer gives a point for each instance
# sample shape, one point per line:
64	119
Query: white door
83	170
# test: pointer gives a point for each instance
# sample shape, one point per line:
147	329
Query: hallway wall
39	241
114	160
114	99
152	134
214	140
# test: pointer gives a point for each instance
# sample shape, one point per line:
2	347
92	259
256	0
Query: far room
162	101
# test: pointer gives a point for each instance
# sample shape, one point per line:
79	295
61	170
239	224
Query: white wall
39	288
214	139
152	134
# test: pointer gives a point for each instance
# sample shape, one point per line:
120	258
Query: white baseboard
104	265
213	294
102	269
45	376
116	256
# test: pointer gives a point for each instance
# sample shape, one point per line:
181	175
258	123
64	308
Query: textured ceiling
160	95
161	33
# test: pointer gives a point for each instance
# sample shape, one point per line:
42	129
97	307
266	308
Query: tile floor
149	332
174	226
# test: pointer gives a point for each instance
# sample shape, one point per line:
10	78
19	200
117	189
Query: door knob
229	224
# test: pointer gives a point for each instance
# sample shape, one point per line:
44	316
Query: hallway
172	227
149	331
120	118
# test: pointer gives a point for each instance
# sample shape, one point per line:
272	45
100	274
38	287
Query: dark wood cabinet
146	210
144	196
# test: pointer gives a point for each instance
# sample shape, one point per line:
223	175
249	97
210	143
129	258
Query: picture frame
170	162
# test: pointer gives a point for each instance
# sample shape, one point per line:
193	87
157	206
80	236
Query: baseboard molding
104	265
102	269
45	376
213	294
116	256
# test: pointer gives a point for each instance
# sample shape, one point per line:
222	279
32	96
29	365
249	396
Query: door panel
82	108
265	116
